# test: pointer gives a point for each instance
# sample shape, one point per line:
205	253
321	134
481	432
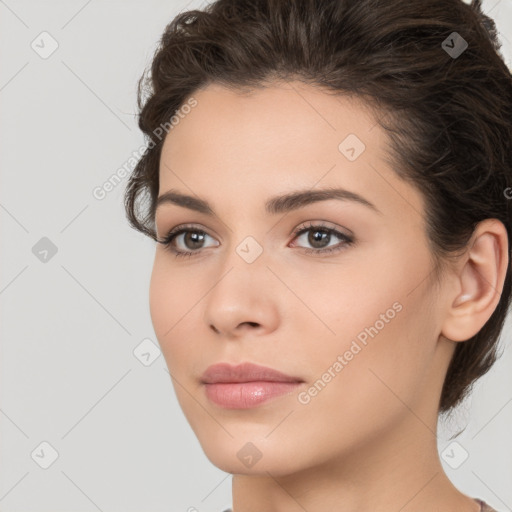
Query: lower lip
244	395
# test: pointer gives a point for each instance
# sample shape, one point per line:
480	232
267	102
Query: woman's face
356	325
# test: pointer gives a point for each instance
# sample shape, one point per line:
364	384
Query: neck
399	470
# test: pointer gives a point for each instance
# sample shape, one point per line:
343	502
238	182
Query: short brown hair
448	117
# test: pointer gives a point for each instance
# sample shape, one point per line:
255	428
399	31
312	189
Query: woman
327	181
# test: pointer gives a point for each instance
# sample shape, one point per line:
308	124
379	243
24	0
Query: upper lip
245	372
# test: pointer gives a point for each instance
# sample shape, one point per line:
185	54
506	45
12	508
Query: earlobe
480	279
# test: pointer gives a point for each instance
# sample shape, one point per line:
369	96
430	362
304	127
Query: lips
245	372
245	386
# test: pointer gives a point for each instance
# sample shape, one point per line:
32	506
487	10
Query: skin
367	440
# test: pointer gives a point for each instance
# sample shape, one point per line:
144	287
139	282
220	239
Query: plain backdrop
89	419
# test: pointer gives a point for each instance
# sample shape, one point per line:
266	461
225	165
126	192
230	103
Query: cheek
375	312
160	293
172	294
339	300
378	381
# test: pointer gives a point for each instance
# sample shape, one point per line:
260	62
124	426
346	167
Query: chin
240	455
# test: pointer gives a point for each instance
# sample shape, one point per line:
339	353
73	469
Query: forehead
275	112
285	136
285	123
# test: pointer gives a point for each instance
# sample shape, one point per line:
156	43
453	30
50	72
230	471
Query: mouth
246	385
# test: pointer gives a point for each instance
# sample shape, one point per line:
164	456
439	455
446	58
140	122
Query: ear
480	276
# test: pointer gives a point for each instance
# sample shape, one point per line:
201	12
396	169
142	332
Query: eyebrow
275	205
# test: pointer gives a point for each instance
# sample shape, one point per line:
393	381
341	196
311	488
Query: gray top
485	507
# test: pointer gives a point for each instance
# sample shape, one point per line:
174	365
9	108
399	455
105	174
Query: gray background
72	320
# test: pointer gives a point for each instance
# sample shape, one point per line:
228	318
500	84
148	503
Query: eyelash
346	240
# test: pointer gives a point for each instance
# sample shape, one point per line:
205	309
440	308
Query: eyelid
192	226
295	231
323	224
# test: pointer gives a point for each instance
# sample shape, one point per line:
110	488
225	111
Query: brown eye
319	238
193	239
185	241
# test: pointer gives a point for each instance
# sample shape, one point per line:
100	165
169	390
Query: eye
193	239
190	237
320	236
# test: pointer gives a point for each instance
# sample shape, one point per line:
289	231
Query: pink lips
245	385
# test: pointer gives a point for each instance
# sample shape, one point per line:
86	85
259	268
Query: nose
244	299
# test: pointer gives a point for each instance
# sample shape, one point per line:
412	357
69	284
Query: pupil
194	237
315	239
